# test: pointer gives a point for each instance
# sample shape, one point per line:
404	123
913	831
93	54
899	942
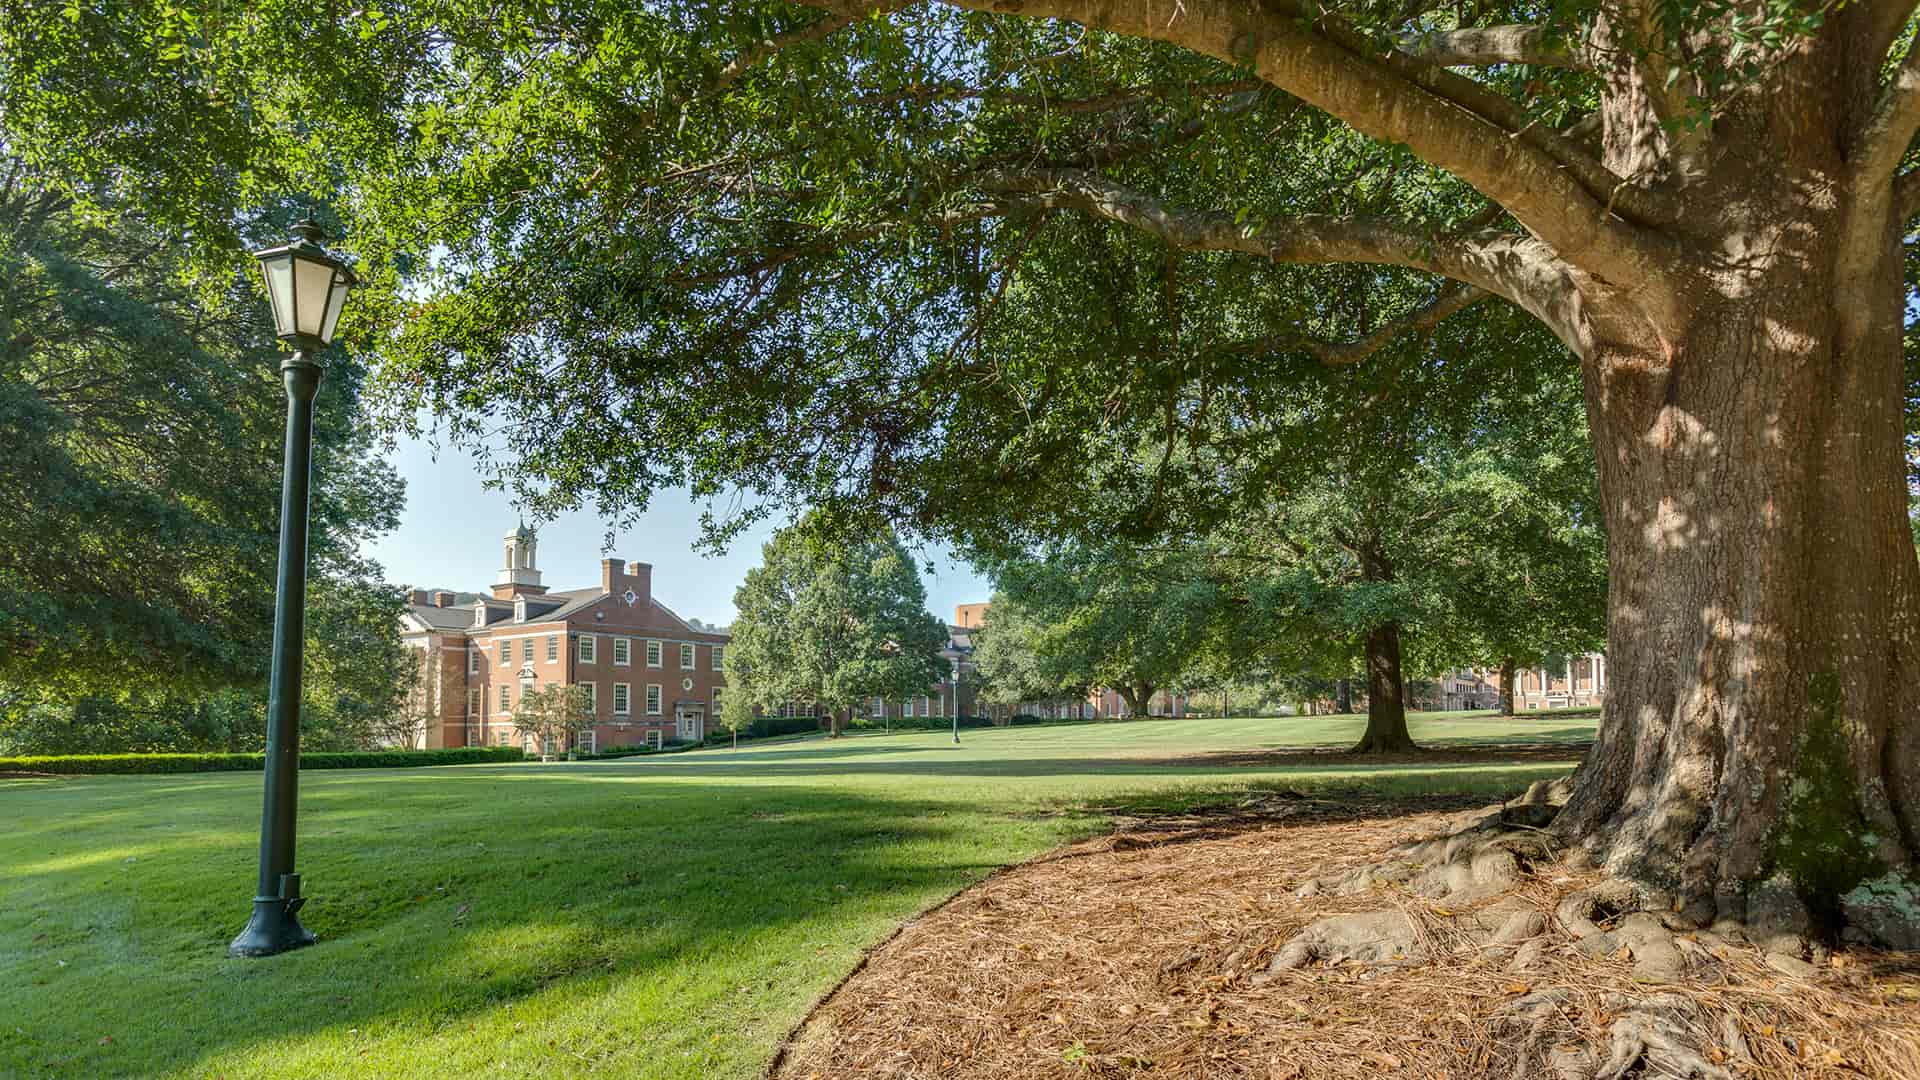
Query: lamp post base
275	928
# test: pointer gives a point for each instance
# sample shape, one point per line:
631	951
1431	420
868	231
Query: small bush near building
73	764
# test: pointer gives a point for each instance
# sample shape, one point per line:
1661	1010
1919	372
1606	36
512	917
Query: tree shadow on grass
432	921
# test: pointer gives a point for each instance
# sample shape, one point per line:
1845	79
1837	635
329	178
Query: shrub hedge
187	763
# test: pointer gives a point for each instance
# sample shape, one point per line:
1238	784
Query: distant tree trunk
1386	695
1507	675
833	723
1223	703
1343	696
1136	696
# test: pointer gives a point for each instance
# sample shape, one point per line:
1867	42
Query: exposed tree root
1316	945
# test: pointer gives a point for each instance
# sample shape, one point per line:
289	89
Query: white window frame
688	658
654	658
593	701
506	652
719	655
622	652
654	700
906	708
589	650
473	660
553	648
506	698
474	697
622	699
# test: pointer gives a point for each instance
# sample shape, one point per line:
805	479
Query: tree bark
1763	707
1386	695
1343	696
1507	673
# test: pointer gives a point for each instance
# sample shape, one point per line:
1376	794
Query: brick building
1574	682
652	676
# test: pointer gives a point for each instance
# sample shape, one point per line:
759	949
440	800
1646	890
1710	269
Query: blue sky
449	537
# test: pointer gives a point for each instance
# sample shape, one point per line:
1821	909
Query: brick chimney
640	580
443	598
417	597
613	576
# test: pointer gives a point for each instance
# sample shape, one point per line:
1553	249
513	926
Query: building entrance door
689	723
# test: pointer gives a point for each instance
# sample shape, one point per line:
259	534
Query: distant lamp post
307	287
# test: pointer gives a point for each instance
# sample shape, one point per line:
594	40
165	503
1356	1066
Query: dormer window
479	613
519	609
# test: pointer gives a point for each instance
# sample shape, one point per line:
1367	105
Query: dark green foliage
143	418
187	763
832	620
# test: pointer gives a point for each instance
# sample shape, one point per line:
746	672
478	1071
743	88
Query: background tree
556	714
862	268
1075	617
1009	666
833	621
139	505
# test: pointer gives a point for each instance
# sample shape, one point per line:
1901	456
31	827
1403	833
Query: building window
719	651
593	703
473	702
620	693
716	702
686	658
622	651
473	661
506	697
906	708
653	654
586	648
553	648
879	706
506	653
926	706
653	699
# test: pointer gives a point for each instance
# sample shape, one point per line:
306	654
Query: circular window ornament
631	597
686	684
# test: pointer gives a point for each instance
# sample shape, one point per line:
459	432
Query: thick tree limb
1515	267
1450	302
1882	141
1276	40
1489	45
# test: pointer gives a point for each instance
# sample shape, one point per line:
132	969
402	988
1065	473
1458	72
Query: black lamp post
307	287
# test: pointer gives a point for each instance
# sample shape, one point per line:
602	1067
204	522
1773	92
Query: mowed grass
663	917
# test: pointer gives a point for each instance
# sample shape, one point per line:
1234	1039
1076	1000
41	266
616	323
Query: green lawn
666	917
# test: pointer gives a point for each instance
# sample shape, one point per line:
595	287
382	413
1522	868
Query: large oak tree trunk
1386	695
1507	672
1764	598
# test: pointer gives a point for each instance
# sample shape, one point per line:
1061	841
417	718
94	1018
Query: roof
459	614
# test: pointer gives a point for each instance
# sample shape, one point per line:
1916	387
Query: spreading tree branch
1489	45
1450	302
1442	116
1515	267
1883	139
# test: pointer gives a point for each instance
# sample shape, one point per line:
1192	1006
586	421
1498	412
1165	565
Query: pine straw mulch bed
1145	952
